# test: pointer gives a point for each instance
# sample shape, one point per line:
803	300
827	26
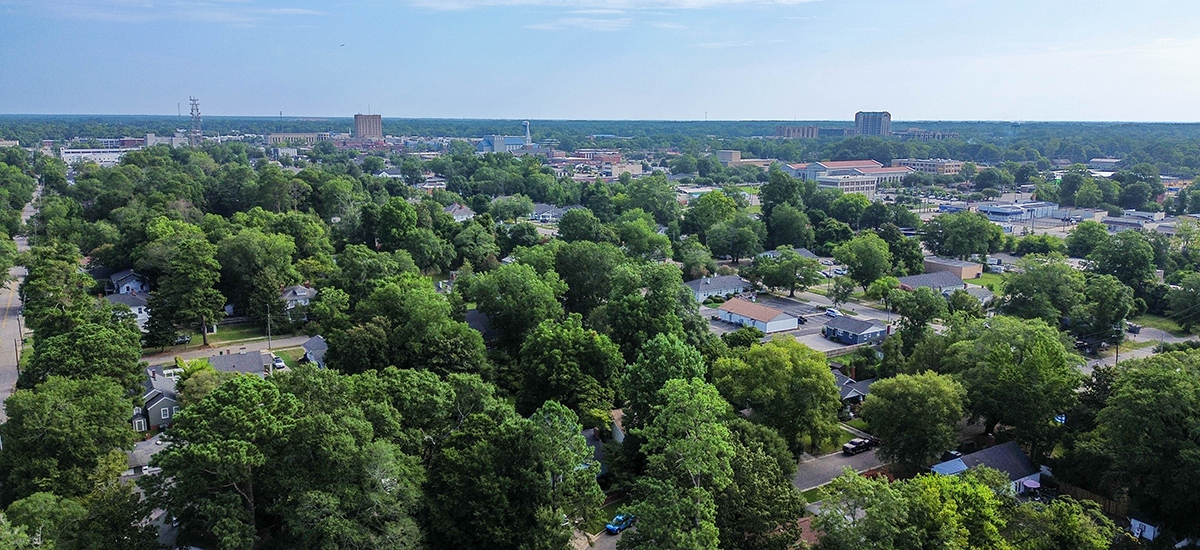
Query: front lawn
606	515
1159	322
995	281
859	424
291	356
843	437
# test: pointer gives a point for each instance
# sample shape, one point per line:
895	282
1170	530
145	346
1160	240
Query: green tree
90	349
917	415
254	267
563	362
580	224
1086	238
708	210
829	234
962	302
907	256
58	434
759	507
517	299
789	270
743	337
788	385
515	207
1101	316
849	208
430	252
1184	302
867	258
664	357
396	219
1128	257
1046	288
477	245
841	290
697	260
727	239
961	234
789	226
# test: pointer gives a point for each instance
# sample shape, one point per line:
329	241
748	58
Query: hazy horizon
667	60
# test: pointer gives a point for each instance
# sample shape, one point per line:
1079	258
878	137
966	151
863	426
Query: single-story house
979	293
548	213
314	350
393	173
460	212
127	282
256	362
160	403
137	305
938	281
851	331
750	314
851	391
724	285
803	252
1006	457
299	295
483	325
961	269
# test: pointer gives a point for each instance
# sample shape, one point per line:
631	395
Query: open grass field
993	280
1159	322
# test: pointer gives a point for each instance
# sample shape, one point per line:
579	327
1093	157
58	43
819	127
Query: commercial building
750	314
797	131
103	157
368	126
862	184
9	143
937	167
919	134
853	331
177	140
813	170
729	157
885	174
961	269
938	281
1103	163
305	138
1014	212
873	123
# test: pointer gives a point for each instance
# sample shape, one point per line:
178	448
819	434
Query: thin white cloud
230	12
585	23
599	4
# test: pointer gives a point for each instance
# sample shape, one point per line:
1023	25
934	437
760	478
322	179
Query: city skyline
578	60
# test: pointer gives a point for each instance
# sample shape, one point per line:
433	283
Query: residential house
938	281
981	294
393	173
126	282
851	391
460	212
160	403
256	362
960	268
297	296
1006	457
483	325
137	306
803	252
314	350
750	314
725	285
852	331
548	213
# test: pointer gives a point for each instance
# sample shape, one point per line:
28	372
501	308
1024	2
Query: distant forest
1173	148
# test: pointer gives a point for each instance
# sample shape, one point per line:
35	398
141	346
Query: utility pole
268	326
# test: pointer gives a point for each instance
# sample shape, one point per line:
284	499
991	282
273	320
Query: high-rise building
368	126
873	123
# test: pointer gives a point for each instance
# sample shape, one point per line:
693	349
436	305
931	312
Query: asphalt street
822	470
10	323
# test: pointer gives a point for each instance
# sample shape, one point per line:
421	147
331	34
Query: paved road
822	470
10	324
203	353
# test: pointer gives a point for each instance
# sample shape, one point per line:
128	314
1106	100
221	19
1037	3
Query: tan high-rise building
368	126
873	123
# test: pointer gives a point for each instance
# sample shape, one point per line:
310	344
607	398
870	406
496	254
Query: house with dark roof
1006	457
725	285
126	282
137	306
938	281
256	362
314	350
750	314
850	390
548	213
803	252
393	173
482	324
297	296
160	403
852	331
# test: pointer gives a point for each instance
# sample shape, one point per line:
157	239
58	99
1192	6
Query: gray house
297	296
127	282
938	281
137	305
1006	457
852	331
850	390
256	362
160	403
314	350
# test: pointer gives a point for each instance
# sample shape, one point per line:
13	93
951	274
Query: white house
298	295
750	314
717	286
128	282
137	305
460	212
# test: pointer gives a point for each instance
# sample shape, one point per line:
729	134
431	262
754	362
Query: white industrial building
750	314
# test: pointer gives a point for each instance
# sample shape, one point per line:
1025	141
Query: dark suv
857	445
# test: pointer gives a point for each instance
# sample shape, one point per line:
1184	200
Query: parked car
857	445
833	312
278	362
183	339
950	455
801	320
839	271
826	262
619	523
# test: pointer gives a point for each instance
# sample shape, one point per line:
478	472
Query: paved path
822	470
10	322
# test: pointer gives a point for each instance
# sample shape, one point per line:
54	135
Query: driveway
822	470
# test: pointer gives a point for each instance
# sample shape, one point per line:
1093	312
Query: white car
833	312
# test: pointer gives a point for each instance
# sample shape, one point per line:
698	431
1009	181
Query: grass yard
995	280
606	515
843	437
1159	322
859	424
291	356
812	495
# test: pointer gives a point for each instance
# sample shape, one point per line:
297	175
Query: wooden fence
1119	508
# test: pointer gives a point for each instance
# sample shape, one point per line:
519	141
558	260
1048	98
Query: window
139	425
174	410
165	413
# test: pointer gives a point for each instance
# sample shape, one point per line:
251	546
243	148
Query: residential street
203	353
822	470
10	325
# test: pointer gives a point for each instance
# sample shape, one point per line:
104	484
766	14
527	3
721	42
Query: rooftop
721	282
1006	457
246	362
938	280
949	261
854	326
751	310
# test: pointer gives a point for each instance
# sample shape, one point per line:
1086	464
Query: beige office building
937	167
368	126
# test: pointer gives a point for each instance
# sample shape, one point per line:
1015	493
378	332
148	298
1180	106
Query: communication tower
195	136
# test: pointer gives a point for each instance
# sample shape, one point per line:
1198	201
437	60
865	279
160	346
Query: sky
1094	60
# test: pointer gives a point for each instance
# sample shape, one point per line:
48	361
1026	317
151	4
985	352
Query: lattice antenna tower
196	136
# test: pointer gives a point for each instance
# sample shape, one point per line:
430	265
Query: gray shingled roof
250	362
938	280
850	325
1006	457
717	283
131	300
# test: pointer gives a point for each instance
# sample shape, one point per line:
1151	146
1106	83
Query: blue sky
607	59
